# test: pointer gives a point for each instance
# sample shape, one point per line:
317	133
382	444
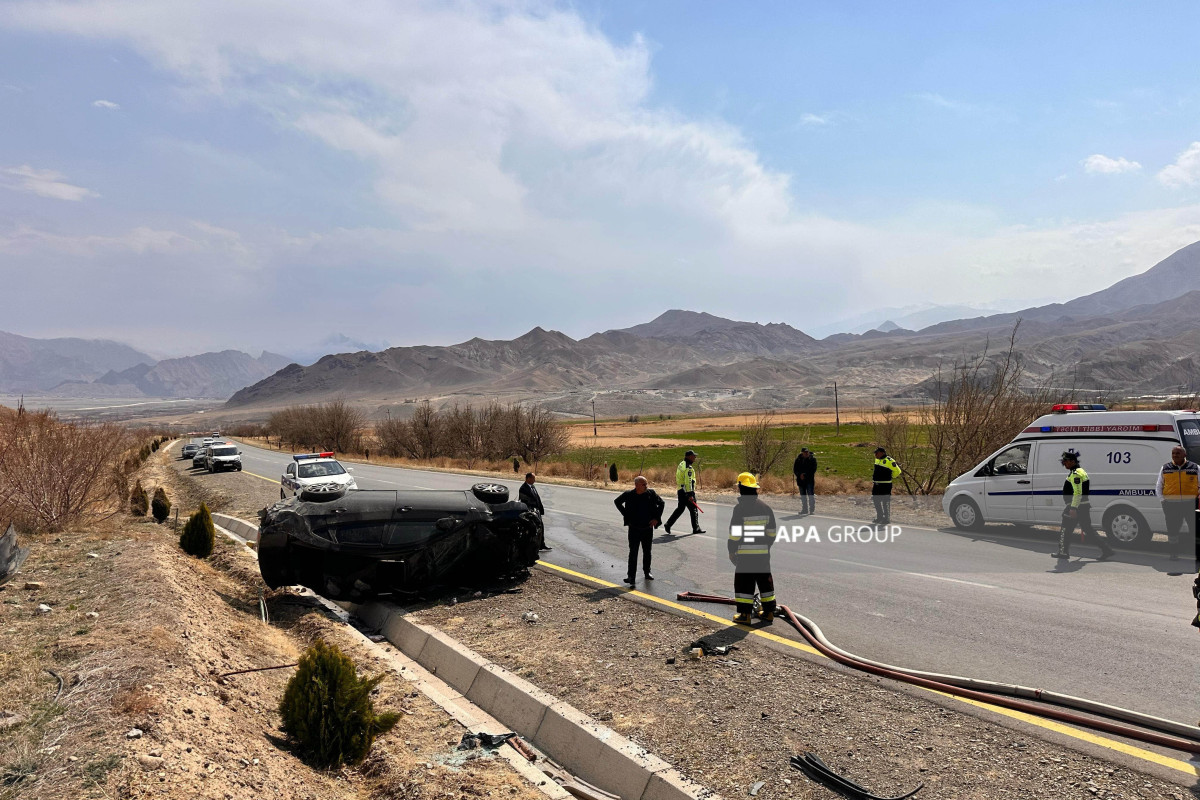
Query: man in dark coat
805	470
528	494
641	509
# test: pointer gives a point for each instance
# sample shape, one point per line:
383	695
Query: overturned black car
365	543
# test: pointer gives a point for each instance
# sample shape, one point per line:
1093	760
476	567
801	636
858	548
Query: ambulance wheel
1126	527
966	515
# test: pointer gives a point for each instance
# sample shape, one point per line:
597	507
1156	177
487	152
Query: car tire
490	493
965	514
282	495
1126	527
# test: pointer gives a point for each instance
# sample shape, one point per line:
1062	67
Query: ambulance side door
1009	487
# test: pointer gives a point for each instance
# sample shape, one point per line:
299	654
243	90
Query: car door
1008	488
289	480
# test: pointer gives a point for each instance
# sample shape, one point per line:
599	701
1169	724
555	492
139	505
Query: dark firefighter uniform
751	534
1077	509
1178	485
886	470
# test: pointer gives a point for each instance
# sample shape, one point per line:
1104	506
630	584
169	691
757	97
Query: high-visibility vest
1076	488
1180	481
685	477
886	470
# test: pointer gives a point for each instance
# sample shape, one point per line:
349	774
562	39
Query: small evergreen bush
160	505
612	473
199	536
139	501
327	709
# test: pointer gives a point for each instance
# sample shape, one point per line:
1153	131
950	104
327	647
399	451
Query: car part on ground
816	769
370	542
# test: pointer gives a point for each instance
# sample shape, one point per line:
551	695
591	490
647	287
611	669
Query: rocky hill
208	375
37	365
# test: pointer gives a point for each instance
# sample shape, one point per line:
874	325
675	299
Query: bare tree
539	433
591	461
764	443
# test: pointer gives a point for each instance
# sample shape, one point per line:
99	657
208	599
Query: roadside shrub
154	446
612	473
327	709
144	453
516	465
199	536
160	506
139	501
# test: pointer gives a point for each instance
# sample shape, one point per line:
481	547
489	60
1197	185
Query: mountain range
1139	335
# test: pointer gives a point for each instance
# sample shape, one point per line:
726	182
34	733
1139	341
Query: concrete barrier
247	530
594	752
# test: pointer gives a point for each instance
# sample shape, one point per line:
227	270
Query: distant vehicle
198	458
315	476
221	456
189	450
1121	451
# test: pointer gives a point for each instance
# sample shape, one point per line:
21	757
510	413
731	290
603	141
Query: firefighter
1077	509
685	489
1177	488
751	534
886	470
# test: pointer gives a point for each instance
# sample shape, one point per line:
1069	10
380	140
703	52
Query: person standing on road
528	494
641	509
805	470
1077	510
885	472
1178	488
685	485
751	534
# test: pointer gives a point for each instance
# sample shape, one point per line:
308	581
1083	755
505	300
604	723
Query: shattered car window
320	469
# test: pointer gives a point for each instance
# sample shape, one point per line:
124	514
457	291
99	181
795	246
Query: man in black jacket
528	494
641	508
805	470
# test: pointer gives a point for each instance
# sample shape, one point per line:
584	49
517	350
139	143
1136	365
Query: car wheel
490	493
1126	527
282	495
965	515
322	493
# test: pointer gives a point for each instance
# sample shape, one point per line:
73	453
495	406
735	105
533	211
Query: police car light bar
302	456
1062	408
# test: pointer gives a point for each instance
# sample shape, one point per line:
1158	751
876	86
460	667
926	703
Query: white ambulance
1122	452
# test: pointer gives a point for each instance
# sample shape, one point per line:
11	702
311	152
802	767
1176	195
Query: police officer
1077	509
886	470
685	486
751	534
1178	487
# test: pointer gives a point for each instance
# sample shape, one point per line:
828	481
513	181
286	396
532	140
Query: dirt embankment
732	721
141	633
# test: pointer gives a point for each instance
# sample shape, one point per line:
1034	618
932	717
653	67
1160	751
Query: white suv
315	476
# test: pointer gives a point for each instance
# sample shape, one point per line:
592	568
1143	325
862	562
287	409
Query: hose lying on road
812	766
1151	730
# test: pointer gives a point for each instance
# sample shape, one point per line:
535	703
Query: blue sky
427	172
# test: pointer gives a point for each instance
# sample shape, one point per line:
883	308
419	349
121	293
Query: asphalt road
990	605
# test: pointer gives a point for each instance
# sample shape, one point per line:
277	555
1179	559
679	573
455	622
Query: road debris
812	766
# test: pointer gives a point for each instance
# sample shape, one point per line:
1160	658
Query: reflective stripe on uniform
767	598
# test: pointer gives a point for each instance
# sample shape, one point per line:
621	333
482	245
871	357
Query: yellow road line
1051	725
263	477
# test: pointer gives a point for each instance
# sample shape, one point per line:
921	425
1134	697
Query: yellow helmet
747	479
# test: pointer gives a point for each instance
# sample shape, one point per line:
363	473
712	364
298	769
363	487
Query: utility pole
837	414
594	432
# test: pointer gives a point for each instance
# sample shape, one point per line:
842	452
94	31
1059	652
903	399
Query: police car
315	476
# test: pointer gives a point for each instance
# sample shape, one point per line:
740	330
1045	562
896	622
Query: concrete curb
594	752
246	530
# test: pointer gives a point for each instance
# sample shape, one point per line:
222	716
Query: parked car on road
315	476
222	456
189	450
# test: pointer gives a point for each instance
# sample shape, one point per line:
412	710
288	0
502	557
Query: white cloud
1185	171
817	119
1104	165
107	105
42	182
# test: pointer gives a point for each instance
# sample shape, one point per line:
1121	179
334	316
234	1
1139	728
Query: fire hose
1152	730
